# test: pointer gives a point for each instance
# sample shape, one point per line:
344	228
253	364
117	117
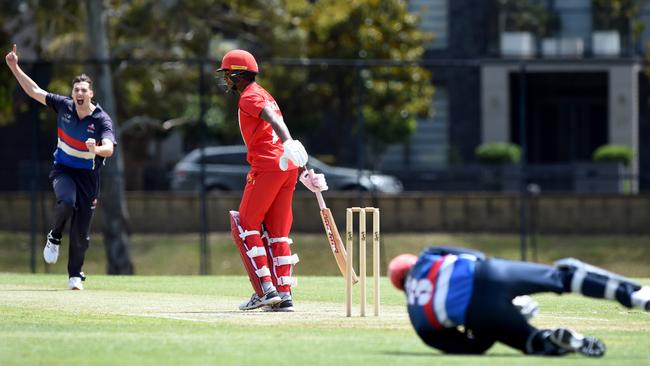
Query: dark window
566	115
226	159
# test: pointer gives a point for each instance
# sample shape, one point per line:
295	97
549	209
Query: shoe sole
45	258
573	342
591	344
282	306
272	309
50	262
272	301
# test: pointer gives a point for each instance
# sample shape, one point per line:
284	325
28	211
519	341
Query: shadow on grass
508	355
437	354
34	289
199	312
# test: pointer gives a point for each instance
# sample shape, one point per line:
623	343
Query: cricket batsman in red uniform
261	227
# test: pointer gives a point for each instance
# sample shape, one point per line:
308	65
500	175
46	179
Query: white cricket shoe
286	305
74	283
270	298
51	250
641	298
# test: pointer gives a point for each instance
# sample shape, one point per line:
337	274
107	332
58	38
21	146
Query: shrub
498	153
528	16
614	153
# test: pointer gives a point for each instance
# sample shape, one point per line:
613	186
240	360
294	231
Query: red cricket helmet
399	267
239	60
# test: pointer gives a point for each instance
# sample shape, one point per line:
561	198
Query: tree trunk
116	235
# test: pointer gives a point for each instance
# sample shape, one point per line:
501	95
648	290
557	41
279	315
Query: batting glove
313	182
294	151
526	306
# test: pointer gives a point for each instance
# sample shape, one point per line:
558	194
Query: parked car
226	169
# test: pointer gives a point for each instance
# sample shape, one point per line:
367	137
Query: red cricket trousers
267	200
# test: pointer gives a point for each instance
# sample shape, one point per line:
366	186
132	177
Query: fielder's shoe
572	341
74	283
286	305
641	298
270	298
51	250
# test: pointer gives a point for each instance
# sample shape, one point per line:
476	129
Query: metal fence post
204	253
523	196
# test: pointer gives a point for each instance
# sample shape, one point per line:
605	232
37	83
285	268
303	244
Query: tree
332	29
52	31
28	25
393	97
116	237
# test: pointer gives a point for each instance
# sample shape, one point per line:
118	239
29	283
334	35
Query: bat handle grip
321	201
319	195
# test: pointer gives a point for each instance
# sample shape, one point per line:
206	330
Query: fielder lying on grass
460	301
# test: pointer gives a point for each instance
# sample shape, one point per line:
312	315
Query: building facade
574	84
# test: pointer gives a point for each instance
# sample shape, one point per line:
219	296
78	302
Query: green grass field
179	254
193	320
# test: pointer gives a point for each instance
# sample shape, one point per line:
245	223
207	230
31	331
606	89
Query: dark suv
226	169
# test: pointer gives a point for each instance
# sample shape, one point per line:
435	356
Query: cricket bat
334	238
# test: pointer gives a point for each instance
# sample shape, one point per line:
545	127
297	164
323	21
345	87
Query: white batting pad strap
577	280
264	271
289	259
244	234
277	240
256	252
610	289
287	280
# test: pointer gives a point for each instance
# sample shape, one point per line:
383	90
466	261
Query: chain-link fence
166	108
418	122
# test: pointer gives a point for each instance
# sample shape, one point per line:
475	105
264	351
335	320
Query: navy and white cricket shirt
71	149
439	289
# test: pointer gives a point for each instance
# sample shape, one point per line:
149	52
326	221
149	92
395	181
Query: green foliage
619	15
199	29
393	97
614	153
43	30
498	153
529	16
7	85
